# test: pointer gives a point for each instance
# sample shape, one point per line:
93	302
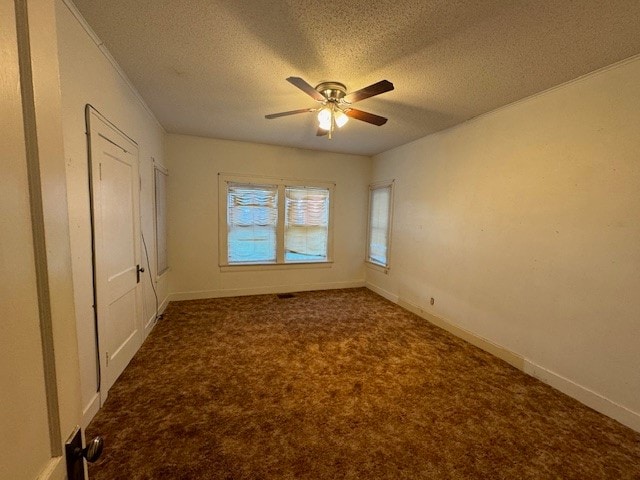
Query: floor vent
285	295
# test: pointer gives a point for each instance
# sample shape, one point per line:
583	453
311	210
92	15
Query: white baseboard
163	305
151	321
584	395
383	293
55	469
90	410
480	342
239	292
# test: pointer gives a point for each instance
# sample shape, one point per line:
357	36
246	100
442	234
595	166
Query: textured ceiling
215	67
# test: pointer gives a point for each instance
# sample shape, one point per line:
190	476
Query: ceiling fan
335	104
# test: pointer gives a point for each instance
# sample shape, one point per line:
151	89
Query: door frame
30	91
99	126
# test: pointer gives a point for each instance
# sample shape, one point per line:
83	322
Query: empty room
295	239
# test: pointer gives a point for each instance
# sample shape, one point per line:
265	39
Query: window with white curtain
267	221
379	235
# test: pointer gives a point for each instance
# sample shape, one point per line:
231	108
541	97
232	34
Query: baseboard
383	293
240	292
90	411
163	305
584	395
151	321
480	342
56	469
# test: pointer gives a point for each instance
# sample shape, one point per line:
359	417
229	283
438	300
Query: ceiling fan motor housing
332	91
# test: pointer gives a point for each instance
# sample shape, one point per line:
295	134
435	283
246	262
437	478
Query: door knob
75	454
92	451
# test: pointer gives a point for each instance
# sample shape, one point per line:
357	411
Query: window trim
159	169
223	253
375	186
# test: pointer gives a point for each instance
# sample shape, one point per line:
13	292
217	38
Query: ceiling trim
579	79
105	52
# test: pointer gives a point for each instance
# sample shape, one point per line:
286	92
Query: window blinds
252	218
306	224
161	221
379	225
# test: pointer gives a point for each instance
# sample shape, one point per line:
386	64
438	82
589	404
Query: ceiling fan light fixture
324	118
341	118
335	104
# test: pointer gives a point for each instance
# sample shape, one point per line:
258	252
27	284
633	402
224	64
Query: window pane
161	223
379	225
252	217
306	224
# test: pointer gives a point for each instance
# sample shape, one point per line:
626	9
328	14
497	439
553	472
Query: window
252	218
160	188
306	226
379	235
267	221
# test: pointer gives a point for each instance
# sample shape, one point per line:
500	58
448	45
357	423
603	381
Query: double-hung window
306	224
379	232
252	220
160	193
267	221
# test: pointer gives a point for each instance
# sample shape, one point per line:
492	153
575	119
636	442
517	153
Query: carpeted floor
339	384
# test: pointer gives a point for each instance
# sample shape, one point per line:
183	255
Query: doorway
115	210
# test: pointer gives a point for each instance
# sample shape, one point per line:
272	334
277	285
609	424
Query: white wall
194	164
87	77
524	226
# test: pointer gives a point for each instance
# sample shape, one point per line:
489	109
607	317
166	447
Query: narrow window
380	198
252	219
160	183
306	227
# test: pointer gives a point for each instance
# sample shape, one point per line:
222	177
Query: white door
39	378
116	223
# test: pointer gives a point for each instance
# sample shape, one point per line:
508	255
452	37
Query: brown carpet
339	384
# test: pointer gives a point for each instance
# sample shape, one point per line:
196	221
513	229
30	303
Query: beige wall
87	77
194	164
39	378
524	226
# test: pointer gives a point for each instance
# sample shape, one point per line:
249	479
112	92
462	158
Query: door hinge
108	358
100	171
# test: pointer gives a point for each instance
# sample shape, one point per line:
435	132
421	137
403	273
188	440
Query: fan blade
321	132
366	116
291	112
306	88
372	90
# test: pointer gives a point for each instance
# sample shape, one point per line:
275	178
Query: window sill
274	266
375	266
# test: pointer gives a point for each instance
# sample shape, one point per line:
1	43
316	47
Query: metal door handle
92	451
139	270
